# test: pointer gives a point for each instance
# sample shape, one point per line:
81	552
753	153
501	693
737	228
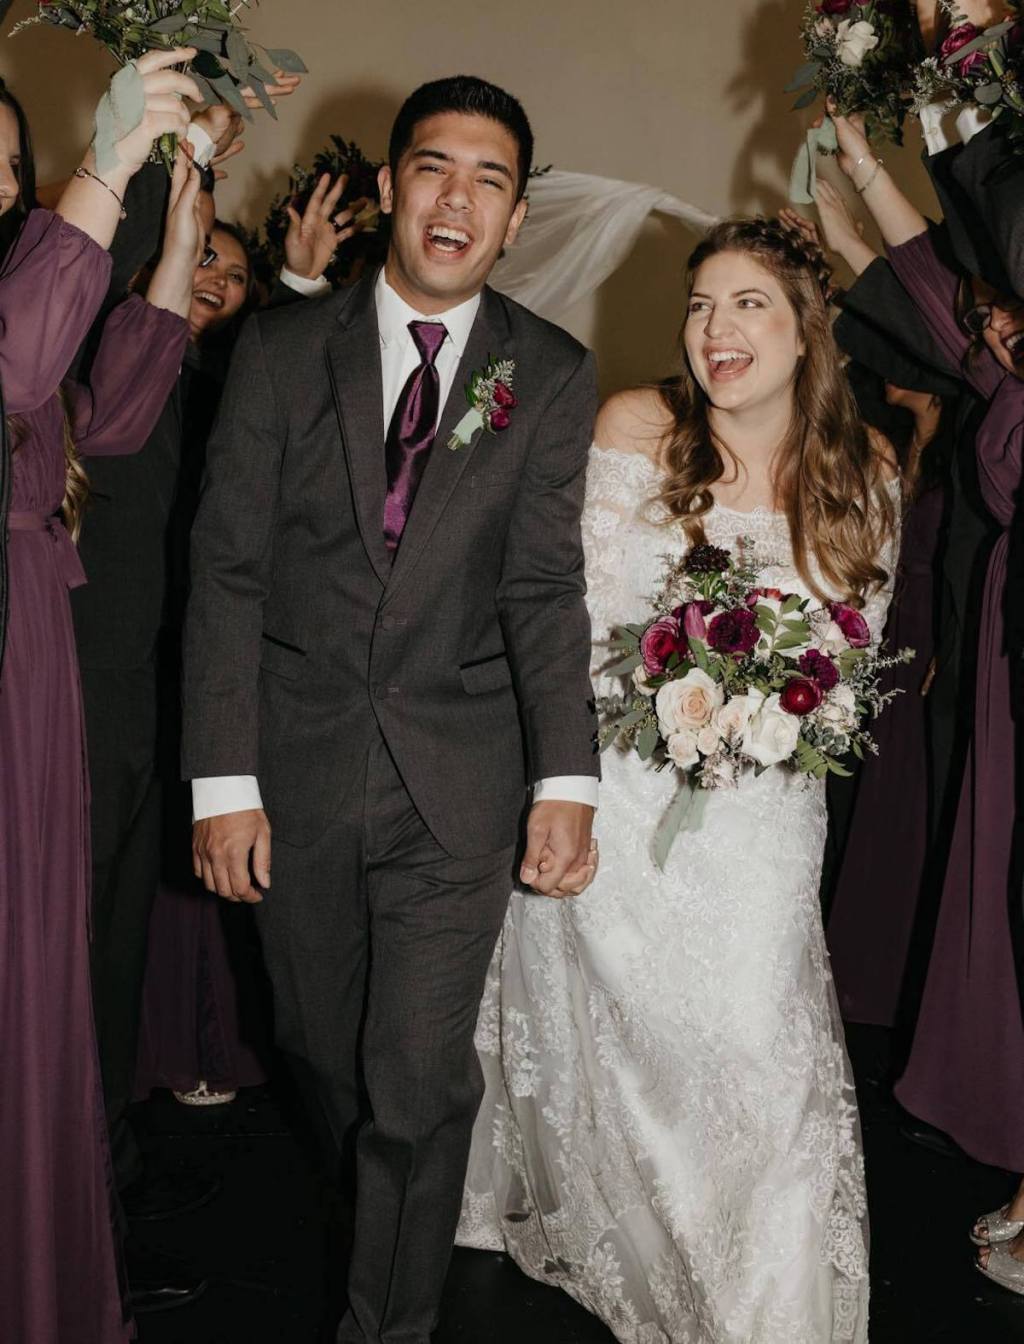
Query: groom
387	662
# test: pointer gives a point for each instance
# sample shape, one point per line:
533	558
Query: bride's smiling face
742	339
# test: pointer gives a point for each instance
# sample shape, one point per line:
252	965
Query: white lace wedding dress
670	1128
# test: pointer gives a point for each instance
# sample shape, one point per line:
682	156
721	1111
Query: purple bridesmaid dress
965	1074
58	1264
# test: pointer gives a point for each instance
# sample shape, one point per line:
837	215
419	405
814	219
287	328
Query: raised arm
898	220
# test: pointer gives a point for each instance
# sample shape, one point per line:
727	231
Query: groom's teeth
450	240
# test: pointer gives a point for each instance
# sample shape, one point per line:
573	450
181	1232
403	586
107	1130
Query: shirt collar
394	316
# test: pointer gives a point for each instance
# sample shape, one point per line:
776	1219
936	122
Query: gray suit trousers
378	943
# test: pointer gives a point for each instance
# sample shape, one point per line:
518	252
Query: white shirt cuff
302	285
567	789
224	793
202	145
947	124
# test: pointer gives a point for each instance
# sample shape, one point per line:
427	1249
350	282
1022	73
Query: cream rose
771	735
855	40
682	748
839	708
709	739
688	702
733	717
641	682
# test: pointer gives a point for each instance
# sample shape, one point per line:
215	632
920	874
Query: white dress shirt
399	357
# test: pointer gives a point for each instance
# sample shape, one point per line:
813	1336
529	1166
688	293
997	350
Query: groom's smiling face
454	206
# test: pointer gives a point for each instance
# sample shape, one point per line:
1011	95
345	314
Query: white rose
771	734
733	717
855	40
709	739
682	748
839	708
828	637
641	682
688	702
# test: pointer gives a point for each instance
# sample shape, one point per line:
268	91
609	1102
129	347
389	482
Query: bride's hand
576	881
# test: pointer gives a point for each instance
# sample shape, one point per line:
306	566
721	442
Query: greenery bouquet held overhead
227	62
862	54
979	67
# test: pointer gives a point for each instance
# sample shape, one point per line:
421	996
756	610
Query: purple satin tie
412	431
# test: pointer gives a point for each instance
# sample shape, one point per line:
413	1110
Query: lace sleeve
618	486
876	606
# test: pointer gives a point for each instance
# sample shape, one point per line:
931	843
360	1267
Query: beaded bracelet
84	173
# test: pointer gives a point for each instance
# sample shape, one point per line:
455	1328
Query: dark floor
259	1241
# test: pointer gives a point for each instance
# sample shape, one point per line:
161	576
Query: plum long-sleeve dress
966	1068
58	1264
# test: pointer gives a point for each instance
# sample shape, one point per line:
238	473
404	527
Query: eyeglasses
979	317
209	257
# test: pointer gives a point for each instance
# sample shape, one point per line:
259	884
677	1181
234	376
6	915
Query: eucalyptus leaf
805	100
283	59
804	75
227	91
208	42
979	43
206	90
609	736
174	23
647	741
989	94
631	719
627	665
259	89
237	50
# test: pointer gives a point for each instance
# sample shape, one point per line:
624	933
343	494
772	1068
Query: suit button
393	622
383	692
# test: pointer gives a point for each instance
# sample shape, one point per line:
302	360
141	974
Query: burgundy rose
658	643
691	617
500	419
733	632
504	396
835	6
820	668
852	623
800	696
959	37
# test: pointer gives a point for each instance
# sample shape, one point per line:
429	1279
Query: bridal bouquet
227	61
979	67
861	53
731	675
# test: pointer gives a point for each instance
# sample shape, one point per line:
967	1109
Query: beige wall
684	94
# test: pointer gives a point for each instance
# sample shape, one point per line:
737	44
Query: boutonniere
492	401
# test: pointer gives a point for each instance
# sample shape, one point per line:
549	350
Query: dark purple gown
58	1267
966	1069
876	898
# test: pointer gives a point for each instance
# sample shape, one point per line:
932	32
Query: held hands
224	847
561	858
314	236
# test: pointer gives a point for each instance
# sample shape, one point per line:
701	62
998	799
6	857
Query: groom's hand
222	848
557	844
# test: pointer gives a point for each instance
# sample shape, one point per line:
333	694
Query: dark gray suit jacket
470	655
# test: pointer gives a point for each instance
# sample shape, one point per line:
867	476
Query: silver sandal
998	1227
1003	1269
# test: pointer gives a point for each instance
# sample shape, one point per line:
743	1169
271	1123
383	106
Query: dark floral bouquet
368	247
862	53
227	61
979	67
732	675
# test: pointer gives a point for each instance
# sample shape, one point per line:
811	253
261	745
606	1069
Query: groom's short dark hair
469	95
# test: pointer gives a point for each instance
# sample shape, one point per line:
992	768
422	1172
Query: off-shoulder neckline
894	485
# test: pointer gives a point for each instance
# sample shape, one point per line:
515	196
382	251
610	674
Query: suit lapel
354	366
489	338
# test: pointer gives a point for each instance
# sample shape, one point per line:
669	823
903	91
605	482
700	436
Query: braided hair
828	475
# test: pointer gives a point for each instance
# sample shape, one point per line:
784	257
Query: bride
670	1129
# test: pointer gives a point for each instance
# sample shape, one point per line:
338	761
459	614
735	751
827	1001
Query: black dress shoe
927	1136
149	1201
146	1297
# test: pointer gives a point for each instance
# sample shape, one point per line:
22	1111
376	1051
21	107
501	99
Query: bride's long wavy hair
828	476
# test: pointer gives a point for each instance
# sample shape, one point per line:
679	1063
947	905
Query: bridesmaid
58	1268
966	1069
